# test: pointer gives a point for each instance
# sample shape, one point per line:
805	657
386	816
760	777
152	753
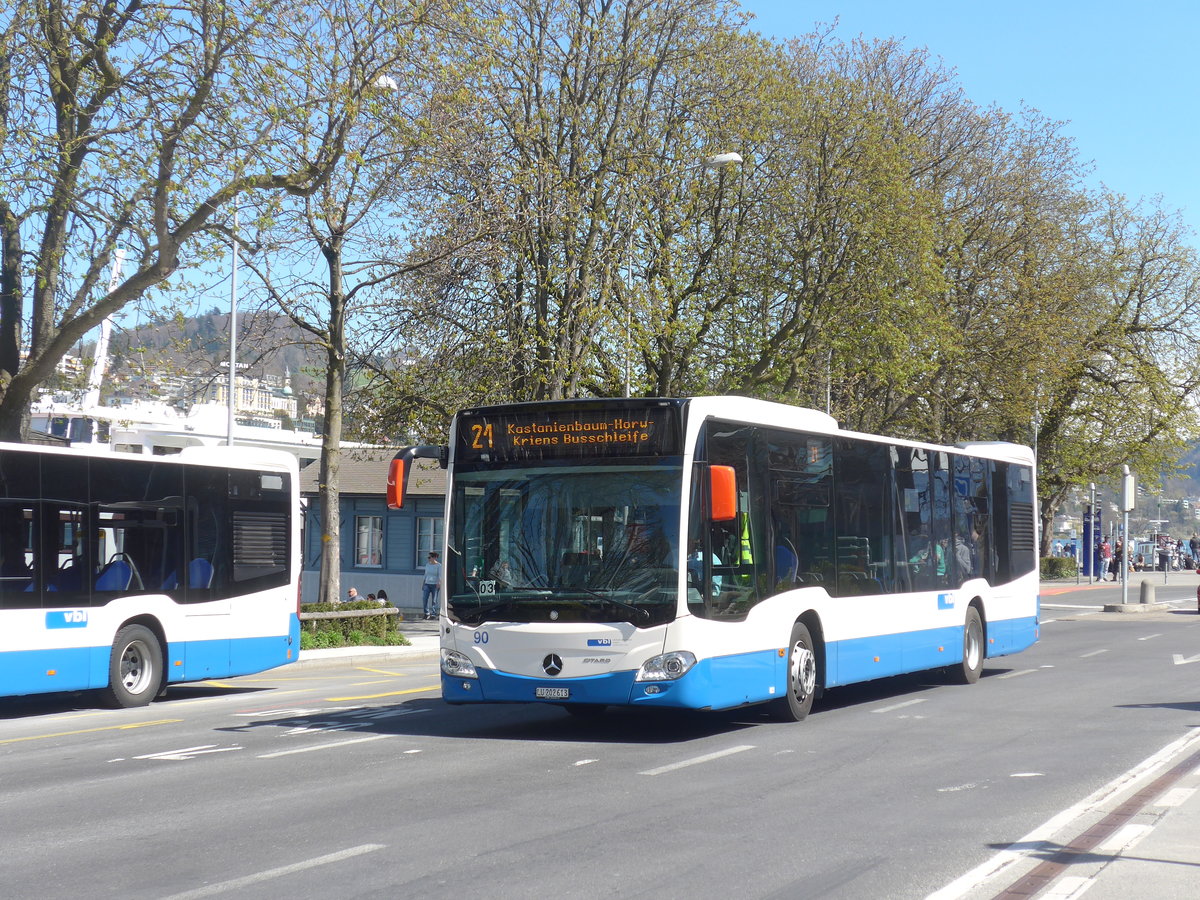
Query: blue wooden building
381	548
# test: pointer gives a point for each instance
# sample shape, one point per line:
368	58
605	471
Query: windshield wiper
638	611
481	611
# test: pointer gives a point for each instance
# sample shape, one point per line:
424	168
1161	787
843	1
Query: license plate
552	693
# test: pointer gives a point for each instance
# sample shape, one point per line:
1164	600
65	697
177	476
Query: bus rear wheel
801	679
967	672
135	668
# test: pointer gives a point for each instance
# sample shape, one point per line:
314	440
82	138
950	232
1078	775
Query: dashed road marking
896	706
222	887
332	746
697	760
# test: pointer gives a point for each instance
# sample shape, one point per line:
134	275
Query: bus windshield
565	543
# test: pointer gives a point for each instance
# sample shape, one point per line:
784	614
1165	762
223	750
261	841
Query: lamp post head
722	159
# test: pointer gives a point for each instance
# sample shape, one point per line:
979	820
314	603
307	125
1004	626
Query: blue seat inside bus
200	575
116	576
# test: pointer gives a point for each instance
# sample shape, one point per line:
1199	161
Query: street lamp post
717	161
233	302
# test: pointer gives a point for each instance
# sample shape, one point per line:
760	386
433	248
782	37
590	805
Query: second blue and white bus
126	574
710	553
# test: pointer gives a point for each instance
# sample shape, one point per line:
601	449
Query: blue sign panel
67	618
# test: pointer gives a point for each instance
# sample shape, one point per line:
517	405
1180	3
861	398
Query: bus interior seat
171	582
116	576
200	573
69	577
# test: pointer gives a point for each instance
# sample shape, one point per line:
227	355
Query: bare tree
134	124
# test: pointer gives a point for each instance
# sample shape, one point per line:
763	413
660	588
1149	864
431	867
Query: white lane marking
1181	661
1175	797
233	884
1122	839
1093	653
696	760
969	786
1048	621
1036	840
586	762
1068	888
187	752
1016	673
1150	637
335	744
1027	775
895	706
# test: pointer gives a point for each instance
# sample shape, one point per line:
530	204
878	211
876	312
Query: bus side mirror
395	484
402	465
722	493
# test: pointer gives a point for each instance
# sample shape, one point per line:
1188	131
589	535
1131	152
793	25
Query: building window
368	540
429	538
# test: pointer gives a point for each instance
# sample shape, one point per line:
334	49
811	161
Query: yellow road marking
381	671
433	687
38	737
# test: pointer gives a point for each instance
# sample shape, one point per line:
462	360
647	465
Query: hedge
1058	567
356	631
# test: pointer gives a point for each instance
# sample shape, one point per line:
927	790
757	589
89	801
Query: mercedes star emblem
552	664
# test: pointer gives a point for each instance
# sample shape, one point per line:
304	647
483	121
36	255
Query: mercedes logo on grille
552	664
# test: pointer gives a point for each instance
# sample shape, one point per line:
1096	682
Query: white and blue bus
126	574
713	552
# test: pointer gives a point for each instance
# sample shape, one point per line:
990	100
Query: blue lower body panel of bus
881	656
85	668
716	683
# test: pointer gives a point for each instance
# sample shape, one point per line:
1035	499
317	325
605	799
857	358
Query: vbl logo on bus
70	618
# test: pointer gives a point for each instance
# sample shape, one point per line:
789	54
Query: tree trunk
331	443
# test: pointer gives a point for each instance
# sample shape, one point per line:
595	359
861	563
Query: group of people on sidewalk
429	589
1171	555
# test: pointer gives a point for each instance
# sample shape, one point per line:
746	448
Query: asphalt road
359	782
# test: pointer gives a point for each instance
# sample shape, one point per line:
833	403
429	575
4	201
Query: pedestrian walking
429	590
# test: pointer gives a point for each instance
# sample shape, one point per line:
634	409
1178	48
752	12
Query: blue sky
1124	77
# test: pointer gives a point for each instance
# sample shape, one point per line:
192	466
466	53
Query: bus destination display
568	433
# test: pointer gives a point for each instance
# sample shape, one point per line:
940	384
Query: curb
1137	607
424	648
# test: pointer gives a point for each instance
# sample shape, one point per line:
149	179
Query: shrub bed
1058	567
354	631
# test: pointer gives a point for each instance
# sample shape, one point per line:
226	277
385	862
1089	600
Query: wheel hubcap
973	650
135	673
804	672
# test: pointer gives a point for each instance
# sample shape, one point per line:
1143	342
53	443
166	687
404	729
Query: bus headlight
667	667
457	665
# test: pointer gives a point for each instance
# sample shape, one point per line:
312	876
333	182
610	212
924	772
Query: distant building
261	398
380	547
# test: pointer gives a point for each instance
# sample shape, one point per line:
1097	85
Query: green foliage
1057	567
356	631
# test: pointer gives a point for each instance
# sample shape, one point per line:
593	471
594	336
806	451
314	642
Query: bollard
1147	591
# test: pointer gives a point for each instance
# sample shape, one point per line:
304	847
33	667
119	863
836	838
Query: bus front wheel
972	662
135	669
801	677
